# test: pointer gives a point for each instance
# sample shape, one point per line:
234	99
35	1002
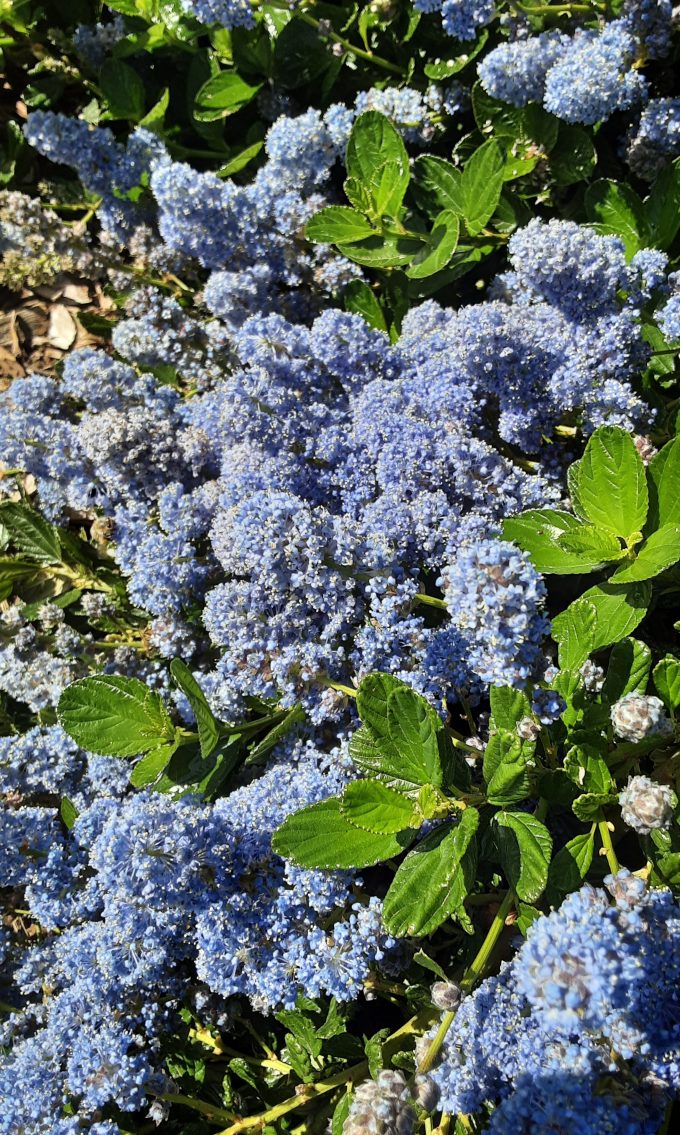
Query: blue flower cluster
582	78
655	139
495	597
152	900
226	13
304	487
590	996
460	18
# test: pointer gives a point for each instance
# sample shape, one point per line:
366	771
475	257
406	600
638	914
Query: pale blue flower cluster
590	996
155	899
584	78
460	18
656	138
226	13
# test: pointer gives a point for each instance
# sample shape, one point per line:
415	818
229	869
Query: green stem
430	601
606	837
349	691
473	973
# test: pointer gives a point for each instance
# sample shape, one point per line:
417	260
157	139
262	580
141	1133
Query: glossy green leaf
664	475
616	208
206	722
382	251
667	681
569	868
628	670
413	726
362	300
481	185
539	531
588	806
439	247
619	610
574	630
574	157
222	95
114	716
373	807
660	551
612	486
123	89
510	782
377	158
337	224
147	770
68	812
662	207
31	534
508	706
432	882
524	845
599	546
321	837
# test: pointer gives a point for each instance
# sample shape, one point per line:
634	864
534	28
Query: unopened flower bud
637	716
625	888
593	676
445	995
427	1093
382	1107
645	448
528	729
646	805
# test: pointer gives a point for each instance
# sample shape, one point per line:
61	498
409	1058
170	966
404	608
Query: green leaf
300	55
372	695
321	837
503	747
510	782
123	90
612	487
31	534
667	681
114	716
526	916
438	185
240	160
628	670
149	768
413	726
222	95
574	630
377	158
600	547
206	723
574	157
336	224
11	572
68	812
481	185
616	208
586	767
381	252
373	807
619	610
660	550
360	298
569	867
524	845
662	207
438	248
422	959
539	532
155	118
588	806
664	474
432	882
508	706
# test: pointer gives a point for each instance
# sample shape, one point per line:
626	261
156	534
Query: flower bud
636	717
646	805
445	995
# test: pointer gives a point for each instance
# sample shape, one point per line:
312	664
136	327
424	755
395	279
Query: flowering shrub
339	557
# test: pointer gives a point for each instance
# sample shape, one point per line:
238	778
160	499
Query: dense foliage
339	566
